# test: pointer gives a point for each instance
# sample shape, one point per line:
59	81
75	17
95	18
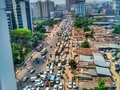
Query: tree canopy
72	63
101	85
116	29
86	29
82	22
20	35
85	44
20	43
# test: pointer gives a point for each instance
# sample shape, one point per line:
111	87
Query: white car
45	73
55	87
44	57
32	71
70	85
29	68
58	73
25	78
51	72
47	69
37	81
74	85
67	63
39	84
60	86
28	87
38	88
47	88
33	78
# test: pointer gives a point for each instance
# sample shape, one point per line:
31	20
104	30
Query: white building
80	7
7	77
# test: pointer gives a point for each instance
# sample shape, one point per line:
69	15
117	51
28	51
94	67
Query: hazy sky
63	1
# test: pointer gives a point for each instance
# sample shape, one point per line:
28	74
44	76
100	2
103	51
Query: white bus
44	51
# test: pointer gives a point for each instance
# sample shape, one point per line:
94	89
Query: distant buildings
116	7
56	14
42	9
80	7
7	77
69	4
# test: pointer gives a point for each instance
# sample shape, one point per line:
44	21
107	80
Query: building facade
117	10
7	76
23	14
10	7
69	4
80	7
47	7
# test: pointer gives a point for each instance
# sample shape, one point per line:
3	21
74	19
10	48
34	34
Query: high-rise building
42	9
47	7
10	8
80	7
69	4
7	77
116	7
38	9
23	14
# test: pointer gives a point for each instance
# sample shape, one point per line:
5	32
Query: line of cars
44	79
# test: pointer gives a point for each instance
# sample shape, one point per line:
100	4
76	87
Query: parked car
44	57
51	72
32	79
25	78
47	88
58	73
37	81
70	85
29	68
37	60
74	85
61	86
47	84
38	88
55	87
32	71
57	80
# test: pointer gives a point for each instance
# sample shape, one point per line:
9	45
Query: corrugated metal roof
103	71
99	60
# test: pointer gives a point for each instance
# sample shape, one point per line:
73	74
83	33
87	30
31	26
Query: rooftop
103	71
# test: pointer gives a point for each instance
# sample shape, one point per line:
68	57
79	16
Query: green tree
16	52
42	30
116	29
21	36
85	44
86	29
20	39
89	35
73	63
101	85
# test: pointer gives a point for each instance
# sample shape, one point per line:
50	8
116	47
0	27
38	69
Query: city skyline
63	1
